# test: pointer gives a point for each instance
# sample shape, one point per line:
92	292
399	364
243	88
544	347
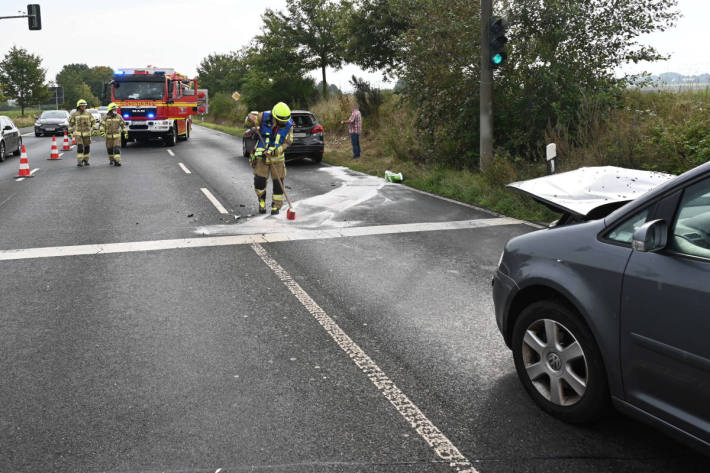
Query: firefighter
112	126
81	123
275	134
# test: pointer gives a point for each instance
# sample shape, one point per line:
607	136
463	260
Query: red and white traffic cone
24	165
65	146
73	139
54	153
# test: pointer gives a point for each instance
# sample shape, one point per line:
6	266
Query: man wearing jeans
355	128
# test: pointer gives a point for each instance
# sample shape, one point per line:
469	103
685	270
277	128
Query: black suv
308	139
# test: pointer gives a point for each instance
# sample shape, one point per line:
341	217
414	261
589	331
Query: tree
277	74
95	78
374	31
369	98
22	78
72	76
560	72
315	27
223	72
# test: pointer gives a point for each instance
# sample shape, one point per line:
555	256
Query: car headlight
37	124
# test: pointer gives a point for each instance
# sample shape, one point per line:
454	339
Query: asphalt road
142	330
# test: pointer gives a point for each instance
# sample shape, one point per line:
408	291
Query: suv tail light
317	129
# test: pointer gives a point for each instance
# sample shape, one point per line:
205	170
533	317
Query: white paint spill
320	211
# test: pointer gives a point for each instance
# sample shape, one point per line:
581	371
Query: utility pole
486	89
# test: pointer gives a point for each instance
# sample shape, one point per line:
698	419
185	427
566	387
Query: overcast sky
179	33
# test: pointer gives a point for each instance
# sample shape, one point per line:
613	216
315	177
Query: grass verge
232	130
462	185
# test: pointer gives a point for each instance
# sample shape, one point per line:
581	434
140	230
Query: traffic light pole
486	90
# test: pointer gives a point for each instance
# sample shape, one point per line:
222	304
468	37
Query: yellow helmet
281	112
80	103
112	106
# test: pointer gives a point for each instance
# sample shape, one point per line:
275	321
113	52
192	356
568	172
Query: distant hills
673	78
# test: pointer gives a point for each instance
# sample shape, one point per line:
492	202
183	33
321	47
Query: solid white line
187	171
442	446
170	152
232	240
20	179
33	171
214	200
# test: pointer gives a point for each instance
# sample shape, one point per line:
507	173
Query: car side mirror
651	236
7	128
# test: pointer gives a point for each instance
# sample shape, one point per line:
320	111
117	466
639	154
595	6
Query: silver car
611	302
10	139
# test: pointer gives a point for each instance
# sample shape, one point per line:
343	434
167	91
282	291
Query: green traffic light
497	59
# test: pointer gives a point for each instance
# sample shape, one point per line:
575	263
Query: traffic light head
33	17
496	41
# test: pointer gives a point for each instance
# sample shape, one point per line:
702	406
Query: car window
303	121
53	114
624	233
691	229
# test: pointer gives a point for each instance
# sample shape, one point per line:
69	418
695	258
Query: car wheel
18	151
38	134
2	151
559	363
171	139
317	157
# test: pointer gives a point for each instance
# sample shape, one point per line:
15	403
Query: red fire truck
157	103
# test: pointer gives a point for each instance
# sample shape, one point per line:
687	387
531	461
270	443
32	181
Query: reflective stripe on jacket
113	126
81	123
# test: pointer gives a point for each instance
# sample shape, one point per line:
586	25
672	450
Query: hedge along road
146	331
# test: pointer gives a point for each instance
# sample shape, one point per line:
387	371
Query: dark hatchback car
52	122
308	139
613	302
10	139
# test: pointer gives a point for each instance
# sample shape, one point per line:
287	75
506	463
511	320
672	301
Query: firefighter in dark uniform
81	123
276	134
112	126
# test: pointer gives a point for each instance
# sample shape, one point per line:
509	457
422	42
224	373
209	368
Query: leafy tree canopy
22	78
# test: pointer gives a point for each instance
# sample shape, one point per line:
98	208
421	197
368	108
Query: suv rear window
303	121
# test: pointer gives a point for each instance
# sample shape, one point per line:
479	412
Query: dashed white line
214	200
442	446
27	134
184	168
233	240
170	152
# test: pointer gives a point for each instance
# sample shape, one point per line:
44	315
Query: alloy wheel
555	362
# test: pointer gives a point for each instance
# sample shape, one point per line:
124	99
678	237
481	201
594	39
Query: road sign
236	96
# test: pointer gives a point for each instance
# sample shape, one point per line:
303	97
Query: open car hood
584	190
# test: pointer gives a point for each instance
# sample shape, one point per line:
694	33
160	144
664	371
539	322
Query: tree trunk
325	85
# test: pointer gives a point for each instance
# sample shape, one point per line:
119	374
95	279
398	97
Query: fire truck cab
157	103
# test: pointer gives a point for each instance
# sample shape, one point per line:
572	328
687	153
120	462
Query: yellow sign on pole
236	96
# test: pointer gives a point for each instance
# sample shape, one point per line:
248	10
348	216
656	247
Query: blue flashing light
125	115
159	72
119	73
151	115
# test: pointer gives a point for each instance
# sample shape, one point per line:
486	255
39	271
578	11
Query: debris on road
393	177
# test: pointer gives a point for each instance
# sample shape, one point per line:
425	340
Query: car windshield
138	90
53	114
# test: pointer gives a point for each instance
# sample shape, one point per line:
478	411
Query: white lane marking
170	152
20	179
27	134
32	172
214	200
184	168
232	240
61	154
442	446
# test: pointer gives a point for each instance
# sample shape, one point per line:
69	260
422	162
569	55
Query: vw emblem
554	361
